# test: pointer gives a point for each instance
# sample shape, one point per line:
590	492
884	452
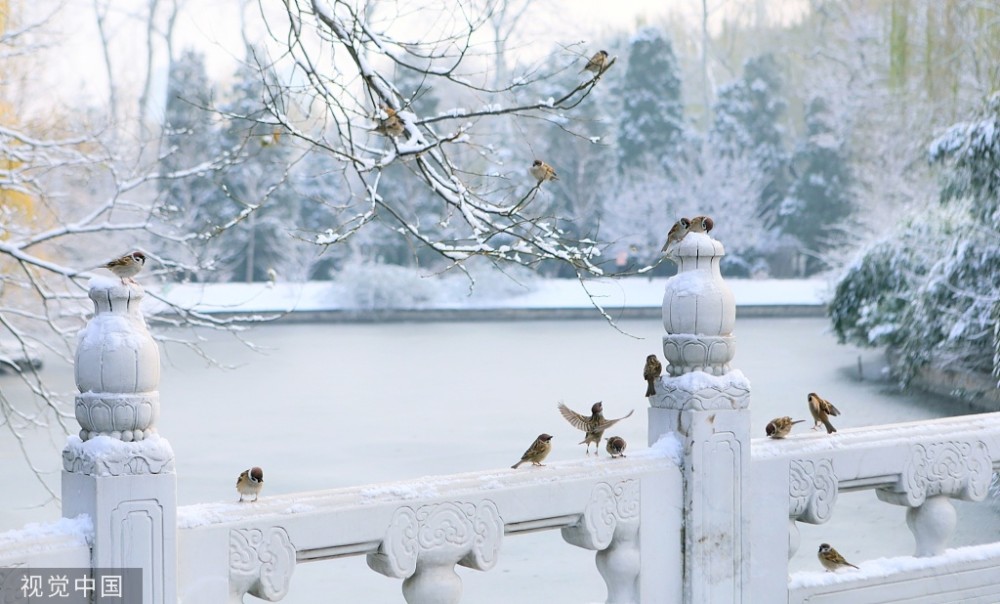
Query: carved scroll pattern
608	507
812	490
261	562
962	470
444	533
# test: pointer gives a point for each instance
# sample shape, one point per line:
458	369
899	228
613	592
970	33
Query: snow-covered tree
748	122
354	109
651	126
930	290
821	195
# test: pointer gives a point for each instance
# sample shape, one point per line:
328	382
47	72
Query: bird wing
829	408
575	419
601	427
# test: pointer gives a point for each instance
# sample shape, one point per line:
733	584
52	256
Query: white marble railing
699	517
419	530
920	466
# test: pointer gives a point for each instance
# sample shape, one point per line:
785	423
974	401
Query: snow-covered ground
431	293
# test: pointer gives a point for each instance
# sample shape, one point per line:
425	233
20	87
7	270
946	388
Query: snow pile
79	530
668	445
407	491
101	448
699	380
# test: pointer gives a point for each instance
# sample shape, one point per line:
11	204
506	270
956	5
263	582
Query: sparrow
616	447
779	427
701	224
596	62
650	372
250	482
390	125
537	452
127	266
830	559
542	171
676	233
821	410
593	426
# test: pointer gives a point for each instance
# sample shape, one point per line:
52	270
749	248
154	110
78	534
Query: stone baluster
423	546
707	403
610	525
812	496
934	473
118	470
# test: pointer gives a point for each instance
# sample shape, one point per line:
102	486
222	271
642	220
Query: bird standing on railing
821	411
593	426
650	373
537	452
616	447
779	427
250	482
127	266
831	559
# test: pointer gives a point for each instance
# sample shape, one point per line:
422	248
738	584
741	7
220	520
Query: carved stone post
934	473
423	546
118	470
707	404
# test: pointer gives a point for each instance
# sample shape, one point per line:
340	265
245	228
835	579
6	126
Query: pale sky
74	66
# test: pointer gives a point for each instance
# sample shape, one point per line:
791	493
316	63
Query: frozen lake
331	405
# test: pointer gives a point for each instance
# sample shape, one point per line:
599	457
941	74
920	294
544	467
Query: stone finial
699	310
117	366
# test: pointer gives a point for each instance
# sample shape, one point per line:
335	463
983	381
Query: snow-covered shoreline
555	298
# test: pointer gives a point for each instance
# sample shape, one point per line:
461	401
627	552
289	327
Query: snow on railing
677	522
419	530
919	465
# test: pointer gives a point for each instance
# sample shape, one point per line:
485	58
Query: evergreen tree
257	194
748	116
190	138
930	290
652	116
820	197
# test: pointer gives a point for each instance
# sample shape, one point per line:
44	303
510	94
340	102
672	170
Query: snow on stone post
706	403
118	470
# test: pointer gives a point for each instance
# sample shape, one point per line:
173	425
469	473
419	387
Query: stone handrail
919	465
418	530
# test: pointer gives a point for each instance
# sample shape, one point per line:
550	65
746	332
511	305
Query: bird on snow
127	266
676	233
616	447
701	224
779	427
830	559
537	452
821	411
593	426
250	482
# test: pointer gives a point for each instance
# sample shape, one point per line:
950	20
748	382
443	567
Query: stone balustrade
700	516
417	531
